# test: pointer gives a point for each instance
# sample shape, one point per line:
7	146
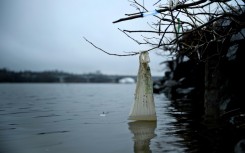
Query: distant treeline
8	76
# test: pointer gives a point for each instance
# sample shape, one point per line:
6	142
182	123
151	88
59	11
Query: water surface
82	118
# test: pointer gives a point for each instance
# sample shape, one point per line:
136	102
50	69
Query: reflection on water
63	118
143	132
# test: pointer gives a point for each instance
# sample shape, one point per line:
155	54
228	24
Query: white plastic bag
143	107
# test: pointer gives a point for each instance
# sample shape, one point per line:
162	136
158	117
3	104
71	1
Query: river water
84	118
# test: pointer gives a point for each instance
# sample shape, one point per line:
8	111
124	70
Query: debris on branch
181	19
174	20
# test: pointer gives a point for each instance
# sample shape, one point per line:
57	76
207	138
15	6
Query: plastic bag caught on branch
143	107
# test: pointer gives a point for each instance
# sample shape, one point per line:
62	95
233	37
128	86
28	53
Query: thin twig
130	54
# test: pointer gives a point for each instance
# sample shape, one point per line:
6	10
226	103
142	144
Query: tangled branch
205	21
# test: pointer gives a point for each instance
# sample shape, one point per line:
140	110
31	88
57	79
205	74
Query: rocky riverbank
211	85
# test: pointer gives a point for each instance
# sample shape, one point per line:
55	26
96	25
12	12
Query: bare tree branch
204	21
129	54
162	10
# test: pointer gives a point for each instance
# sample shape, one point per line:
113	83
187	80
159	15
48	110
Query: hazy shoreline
8	76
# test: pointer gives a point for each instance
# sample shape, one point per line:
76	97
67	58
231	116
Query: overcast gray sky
48	35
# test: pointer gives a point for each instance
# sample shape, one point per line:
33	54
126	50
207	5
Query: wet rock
240	147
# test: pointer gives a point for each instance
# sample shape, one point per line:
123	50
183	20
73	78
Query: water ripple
51	132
